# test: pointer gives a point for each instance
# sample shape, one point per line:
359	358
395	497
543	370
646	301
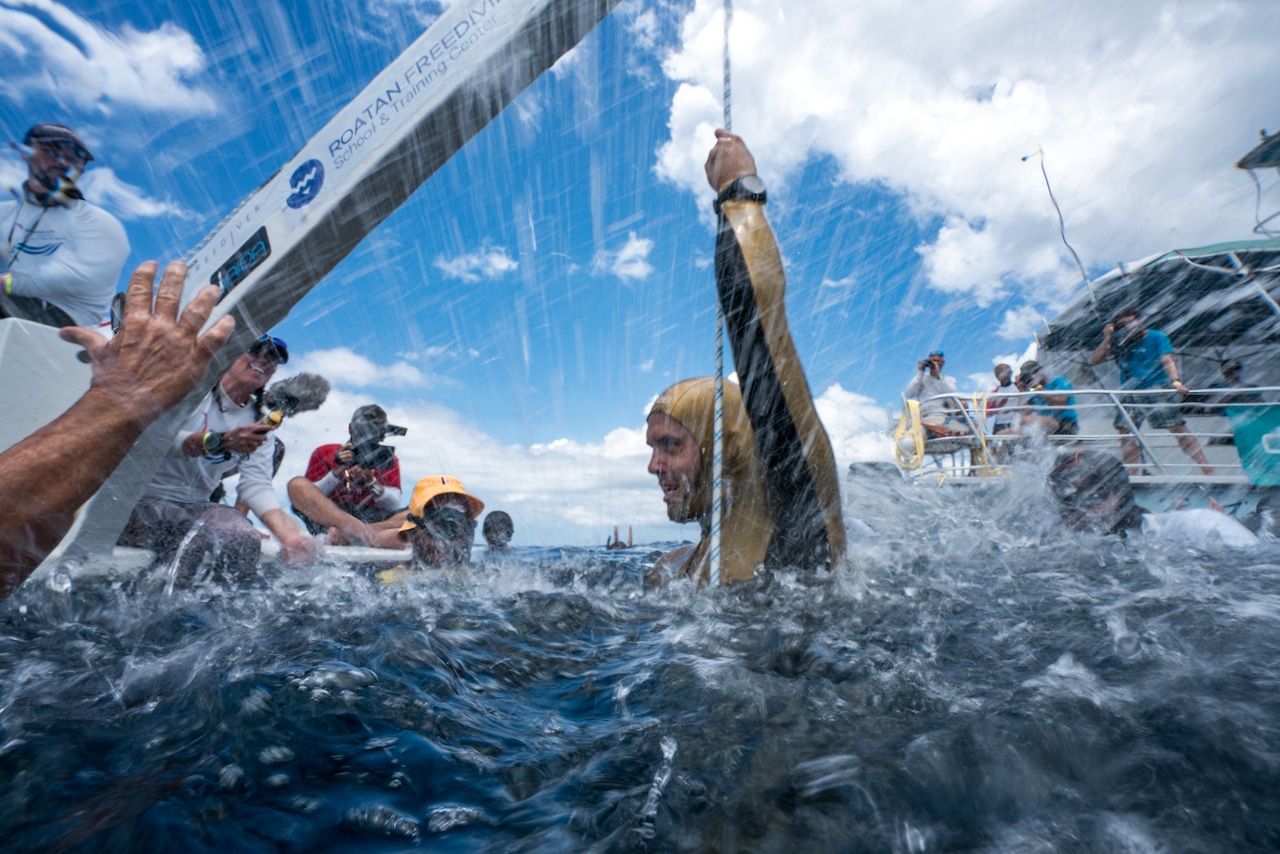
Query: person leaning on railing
1047	413
1145	359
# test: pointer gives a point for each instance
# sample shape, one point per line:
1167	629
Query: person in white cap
62	256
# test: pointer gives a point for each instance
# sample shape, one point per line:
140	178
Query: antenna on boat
1062	225
1264	155
717	452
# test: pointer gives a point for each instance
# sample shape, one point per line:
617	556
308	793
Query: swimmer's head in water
442	521
498	529
680	431
1093	492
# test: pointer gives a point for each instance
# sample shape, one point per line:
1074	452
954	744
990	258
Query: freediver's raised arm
801	480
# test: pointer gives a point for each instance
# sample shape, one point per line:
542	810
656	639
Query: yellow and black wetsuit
782	492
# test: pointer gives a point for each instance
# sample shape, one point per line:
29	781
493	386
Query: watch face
751	184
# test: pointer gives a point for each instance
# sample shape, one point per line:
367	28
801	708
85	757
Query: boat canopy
1215	297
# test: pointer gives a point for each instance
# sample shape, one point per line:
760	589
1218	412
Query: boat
1218	304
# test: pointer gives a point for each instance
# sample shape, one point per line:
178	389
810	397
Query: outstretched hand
156	358
728	161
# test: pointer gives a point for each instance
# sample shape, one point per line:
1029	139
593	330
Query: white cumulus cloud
858	426
46	47
1140	108
103	187
343	367
485	263
629	262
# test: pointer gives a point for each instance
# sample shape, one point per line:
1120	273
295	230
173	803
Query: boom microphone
299	393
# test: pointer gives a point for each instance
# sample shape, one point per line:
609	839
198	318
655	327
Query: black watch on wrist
748	187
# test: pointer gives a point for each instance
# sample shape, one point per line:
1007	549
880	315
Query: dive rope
717	453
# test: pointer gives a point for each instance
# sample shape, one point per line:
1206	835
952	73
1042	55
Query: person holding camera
175	518
941	417
348	487
1047	413
1145	360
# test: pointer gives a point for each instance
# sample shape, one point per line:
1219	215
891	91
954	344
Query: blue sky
521	310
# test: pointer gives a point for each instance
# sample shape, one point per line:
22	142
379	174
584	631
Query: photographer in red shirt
349	486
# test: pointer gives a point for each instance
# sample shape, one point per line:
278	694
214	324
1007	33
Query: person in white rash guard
225	431
1094	494
940	417
62	256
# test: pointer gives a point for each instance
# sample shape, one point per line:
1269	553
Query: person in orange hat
441	523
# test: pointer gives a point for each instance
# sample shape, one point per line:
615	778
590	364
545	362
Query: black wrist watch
748	187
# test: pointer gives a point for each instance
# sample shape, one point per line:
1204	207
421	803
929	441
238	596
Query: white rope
717	453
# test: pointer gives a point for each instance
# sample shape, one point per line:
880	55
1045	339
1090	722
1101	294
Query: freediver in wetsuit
781	491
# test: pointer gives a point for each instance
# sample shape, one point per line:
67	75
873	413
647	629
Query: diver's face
676	460
444	536
1095	513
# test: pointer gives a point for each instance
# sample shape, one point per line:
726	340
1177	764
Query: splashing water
1021	689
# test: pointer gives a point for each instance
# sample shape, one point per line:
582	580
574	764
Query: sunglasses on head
269	345
937	353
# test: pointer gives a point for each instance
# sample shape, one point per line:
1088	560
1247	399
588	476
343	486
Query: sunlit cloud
945	118
1020	324
857	425
629	262
104	188
342	367
48	49
486	263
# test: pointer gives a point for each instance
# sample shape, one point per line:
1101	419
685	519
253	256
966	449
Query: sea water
975	679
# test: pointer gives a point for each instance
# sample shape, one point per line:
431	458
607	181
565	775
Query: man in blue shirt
1055	414
1145	359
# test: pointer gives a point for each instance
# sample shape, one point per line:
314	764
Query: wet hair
498	526
1127	311
1080	479
499	522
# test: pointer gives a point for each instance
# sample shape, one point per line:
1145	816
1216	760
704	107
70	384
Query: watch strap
742	188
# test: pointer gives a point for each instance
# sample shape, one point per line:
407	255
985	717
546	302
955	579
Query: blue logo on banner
306	183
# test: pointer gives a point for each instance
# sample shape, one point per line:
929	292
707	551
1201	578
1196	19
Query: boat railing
971	448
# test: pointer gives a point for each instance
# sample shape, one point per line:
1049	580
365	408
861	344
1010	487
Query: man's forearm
1100	353
46	476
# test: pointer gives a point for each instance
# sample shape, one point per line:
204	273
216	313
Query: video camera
366	446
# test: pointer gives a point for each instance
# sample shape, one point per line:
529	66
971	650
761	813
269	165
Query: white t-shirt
924	385
69	255
190	480
1200	528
